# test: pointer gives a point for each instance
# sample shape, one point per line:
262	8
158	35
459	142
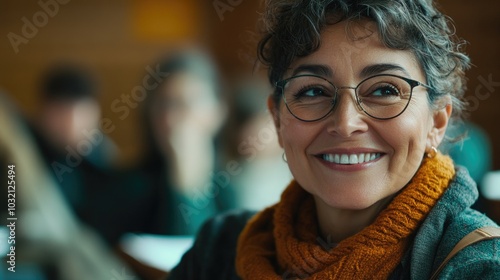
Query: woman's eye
313	92
310	92
385	91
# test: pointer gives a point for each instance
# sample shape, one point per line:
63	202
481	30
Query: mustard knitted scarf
282	242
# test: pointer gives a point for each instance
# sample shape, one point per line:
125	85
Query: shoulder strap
479	234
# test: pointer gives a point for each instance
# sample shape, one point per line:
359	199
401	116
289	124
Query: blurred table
158	251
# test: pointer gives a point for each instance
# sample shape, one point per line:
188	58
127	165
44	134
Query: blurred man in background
77	153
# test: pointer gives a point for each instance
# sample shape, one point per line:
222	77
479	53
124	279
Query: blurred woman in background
182	117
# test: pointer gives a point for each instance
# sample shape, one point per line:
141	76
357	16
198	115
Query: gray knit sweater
213	254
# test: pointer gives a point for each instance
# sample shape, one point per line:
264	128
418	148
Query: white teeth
330	157
344	159
361	158
351	159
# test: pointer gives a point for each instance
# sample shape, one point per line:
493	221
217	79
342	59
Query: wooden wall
119	39
115	39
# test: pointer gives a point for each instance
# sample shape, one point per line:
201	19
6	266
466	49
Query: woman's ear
440	120
273	109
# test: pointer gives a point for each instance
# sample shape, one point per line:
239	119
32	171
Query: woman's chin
353	201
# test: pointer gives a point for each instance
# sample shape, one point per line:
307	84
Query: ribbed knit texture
283	241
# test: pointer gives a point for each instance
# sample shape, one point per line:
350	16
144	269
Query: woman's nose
347	117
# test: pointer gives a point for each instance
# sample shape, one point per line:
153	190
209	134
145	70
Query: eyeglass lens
311	98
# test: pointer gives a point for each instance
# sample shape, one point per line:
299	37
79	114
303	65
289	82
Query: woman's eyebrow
316	69
375	69
368	71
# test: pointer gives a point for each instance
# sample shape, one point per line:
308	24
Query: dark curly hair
292	29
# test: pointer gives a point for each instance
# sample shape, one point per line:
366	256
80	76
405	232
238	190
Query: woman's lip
349	151
358	158
349	167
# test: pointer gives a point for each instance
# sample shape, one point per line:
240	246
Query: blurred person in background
252	142
78	155
69	118
50	242
182	118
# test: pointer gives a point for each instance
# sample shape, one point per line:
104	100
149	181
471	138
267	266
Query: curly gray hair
292	29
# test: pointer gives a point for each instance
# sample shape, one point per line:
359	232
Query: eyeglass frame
413	84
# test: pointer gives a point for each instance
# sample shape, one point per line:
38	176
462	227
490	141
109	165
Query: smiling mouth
347	159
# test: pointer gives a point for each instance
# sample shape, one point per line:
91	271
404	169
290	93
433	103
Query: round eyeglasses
311	98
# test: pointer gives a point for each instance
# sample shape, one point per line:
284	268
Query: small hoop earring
284	157
432	153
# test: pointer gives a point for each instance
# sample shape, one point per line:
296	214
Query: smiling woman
364	93
397	142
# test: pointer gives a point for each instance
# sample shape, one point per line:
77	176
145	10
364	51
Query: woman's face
398	144
185	105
